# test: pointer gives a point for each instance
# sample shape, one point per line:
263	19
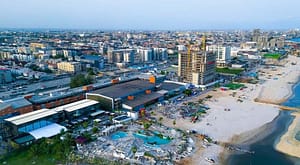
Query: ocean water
265	153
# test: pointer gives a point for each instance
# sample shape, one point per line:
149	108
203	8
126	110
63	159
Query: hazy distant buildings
255	35
36	46
137	55
265	41
197	67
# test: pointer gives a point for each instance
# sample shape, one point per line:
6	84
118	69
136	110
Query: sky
150	14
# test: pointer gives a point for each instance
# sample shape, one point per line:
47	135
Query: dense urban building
223	54
70	67
129	84
197	67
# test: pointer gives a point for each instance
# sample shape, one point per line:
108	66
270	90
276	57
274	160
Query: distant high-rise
197	67
255	35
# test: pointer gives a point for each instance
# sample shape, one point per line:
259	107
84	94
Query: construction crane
203	43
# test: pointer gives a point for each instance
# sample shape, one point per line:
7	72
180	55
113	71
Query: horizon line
141	29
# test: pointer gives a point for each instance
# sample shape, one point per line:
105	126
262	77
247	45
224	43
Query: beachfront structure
171	88
122	119
78	109
197	67
33	125
22	126
135	94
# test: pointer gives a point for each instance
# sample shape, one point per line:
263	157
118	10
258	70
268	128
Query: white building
71	67
160	54
23	57
223	54
181	47
145	55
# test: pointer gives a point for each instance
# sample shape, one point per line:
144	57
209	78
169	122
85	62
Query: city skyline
157	15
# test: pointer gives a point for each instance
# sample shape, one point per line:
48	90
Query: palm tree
85	125
160	119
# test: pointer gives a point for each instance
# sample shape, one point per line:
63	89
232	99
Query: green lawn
229	71
273	56
24	158
234	86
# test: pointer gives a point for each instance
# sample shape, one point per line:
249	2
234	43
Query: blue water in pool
152	140
118	135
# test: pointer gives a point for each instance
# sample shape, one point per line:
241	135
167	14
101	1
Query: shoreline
286	79
249	137
248	120
281	145
288	144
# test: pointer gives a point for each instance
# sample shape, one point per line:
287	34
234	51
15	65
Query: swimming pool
152	140
118	135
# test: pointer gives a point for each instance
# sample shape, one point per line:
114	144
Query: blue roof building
93	60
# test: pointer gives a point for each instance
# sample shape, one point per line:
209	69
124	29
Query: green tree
90	71
174	122
85	125
110	118
160	119
188	92
147	125
34	150
95	130
134	149
81	80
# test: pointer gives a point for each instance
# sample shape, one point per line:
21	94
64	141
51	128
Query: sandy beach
288	143
259	106
278	87
222	125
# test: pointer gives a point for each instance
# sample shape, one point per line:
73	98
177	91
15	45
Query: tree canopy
80	80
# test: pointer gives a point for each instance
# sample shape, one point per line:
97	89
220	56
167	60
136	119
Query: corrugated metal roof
4	105
76	105
31	116
125	88
15	103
